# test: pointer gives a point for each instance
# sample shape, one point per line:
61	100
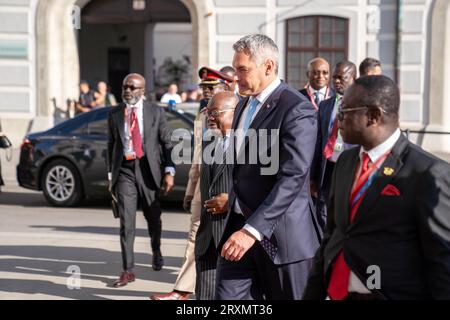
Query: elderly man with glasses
214	183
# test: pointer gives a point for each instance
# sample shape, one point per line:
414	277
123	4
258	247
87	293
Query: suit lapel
326	123
393	161
268	106
345	180
220	168
120	119
148	117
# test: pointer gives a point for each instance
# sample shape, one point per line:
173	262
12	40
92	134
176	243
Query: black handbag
4	142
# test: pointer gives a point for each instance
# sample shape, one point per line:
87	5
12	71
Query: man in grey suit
214	184
270	236
137	130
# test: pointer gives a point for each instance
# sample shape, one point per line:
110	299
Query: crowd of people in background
90	99
318	73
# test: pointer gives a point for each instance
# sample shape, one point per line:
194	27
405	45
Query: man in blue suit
329	143
270	235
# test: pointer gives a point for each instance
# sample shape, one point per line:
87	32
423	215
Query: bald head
225	99
220	111
318	73
133	88
135	77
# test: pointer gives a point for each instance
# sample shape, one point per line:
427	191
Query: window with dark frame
310	37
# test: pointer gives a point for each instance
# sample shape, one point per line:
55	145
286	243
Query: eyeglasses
342	111
132	88
216	114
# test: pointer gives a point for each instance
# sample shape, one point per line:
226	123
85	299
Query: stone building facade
40	50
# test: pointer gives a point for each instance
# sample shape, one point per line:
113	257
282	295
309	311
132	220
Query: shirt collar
262	97
322	91
138	105
381	149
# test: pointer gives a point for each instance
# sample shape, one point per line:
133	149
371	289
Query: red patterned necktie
340	274
136	137
329	147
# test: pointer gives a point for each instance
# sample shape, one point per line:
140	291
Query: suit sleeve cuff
109	176
170	170
253	231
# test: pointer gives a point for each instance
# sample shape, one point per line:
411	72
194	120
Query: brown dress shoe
125	277
174	295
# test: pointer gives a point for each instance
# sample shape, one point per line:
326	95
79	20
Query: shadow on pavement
95	264
36	199
167	234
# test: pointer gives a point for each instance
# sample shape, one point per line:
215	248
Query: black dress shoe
158	261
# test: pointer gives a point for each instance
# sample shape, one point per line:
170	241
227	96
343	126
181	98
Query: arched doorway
58	63
118	37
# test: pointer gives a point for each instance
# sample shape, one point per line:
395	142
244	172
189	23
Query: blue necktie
250	112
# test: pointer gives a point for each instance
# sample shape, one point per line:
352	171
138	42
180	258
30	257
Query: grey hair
260	47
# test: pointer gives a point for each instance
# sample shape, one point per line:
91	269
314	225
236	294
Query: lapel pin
268	106
388	171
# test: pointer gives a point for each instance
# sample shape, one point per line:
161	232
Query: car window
99	124
176	122
76	125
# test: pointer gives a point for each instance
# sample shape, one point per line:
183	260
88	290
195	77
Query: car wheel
61	184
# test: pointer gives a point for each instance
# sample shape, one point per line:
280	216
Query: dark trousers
256	277
135	185
206	266
324	194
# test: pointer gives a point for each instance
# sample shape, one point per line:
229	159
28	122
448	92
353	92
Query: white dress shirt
322	93
262	97
355	285
139	106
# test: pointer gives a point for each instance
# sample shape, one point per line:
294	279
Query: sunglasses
342	111
216	114
132	87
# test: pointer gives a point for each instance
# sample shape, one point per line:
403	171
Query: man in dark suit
329	143
214	184
318	87
137	131
270	237
388	230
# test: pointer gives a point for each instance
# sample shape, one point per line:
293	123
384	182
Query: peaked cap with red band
213	77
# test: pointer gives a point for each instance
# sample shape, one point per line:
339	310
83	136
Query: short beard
133	101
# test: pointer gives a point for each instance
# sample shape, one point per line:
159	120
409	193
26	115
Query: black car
68	161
